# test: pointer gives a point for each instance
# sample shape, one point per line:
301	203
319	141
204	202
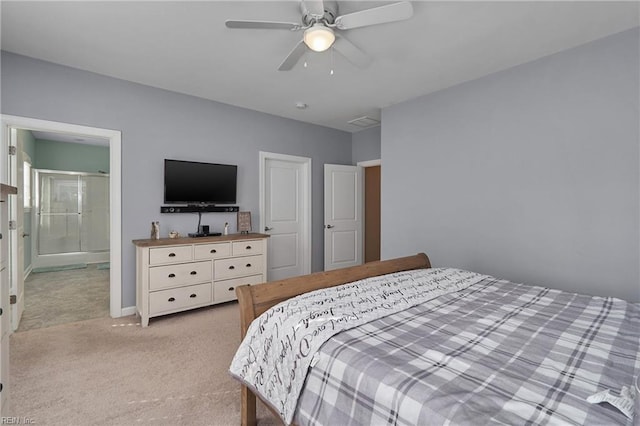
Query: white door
285	214
16	232
342	216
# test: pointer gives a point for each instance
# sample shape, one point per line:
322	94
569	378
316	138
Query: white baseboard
129	310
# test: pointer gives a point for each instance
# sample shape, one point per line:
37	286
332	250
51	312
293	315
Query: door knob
329	226
266	228
25	235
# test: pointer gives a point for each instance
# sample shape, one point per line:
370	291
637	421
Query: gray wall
158	124
365	145
530	174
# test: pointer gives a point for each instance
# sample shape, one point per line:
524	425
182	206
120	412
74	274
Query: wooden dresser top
197	240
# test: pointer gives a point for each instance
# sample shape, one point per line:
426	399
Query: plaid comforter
494	353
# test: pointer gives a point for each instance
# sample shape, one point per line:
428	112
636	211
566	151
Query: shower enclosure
72	218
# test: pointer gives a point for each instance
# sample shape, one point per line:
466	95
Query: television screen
190	182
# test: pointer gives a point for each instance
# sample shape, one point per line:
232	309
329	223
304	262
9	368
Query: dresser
5	317
177	274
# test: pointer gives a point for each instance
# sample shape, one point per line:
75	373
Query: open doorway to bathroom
11	124
65	191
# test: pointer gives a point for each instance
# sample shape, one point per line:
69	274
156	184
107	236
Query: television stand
200	234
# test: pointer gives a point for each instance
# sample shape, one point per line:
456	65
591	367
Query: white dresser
178	274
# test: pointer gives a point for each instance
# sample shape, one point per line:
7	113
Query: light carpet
113	372
60	297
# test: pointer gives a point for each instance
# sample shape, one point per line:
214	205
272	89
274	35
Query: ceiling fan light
319	38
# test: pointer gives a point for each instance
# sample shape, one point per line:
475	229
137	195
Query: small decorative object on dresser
226	228
244	222
155	230
174	234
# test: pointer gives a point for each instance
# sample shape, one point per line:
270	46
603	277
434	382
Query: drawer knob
231	288
172	275
171	299
213	251
194	273
232	267
248	247
193	296
172	255
248	265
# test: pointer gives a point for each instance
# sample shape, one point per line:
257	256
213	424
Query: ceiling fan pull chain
331	72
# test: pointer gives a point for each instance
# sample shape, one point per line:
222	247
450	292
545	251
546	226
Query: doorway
372	180
65	196
113	139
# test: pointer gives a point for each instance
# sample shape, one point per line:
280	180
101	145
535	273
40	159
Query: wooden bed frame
256	299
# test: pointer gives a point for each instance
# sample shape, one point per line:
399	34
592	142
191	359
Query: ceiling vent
364	122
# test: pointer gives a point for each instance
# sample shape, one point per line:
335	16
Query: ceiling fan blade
377	15
315	7
263	25
351	52
294	56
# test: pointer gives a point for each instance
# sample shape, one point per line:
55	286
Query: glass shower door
59	213
94	226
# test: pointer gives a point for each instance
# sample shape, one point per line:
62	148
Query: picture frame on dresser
244	222
179	274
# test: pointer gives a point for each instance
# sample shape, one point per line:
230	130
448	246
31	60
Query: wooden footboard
256	299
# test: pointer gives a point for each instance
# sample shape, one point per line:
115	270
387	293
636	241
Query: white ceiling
185	47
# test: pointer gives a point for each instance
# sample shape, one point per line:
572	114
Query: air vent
364	122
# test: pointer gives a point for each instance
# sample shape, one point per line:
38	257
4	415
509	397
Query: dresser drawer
179	275
177	299
162	255
241	248
211	251
239	267
225	290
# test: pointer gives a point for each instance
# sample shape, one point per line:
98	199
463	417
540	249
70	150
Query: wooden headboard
256	299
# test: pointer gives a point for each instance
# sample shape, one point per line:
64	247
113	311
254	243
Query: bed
399	342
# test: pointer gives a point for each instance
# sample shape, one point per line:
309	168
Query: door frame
306	200
15	253
115	187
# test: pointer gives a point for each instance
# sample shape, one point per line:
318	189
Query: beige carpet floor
113	372
60	297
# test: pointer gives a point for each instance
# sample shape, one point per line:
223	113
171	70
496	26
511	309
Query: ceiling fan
321	23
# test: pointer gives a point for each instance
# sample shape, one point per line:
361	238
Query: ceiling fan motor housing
330	13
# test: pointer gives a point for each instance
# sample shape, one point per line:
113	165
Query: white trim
370	163
306	201
115	188
129	310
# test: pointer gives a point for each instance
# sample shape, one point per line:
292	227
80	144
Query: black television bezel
199	202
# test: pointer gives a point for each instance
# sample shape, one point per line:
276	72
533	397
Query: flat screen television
191	182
